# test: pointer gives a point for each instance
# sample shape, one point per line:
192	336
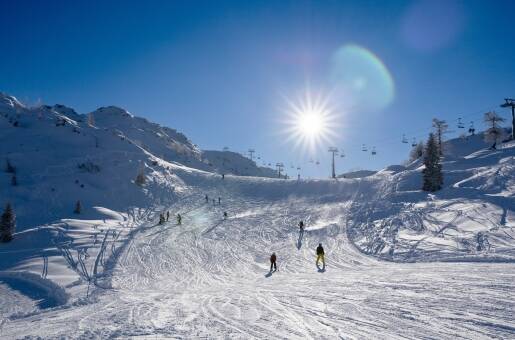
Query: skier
218	200
273	264
301	226
223	176
167	216
214	202
320	254
225	215
207	199
161	219
179	218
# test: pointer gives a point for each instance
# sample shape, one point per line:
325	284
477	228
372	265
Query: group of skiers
165	217
319	251
273	258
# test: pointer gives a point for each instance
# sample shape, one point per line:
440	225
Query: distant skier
273	264
167	216
179	219
161	219
223	176
207	199
219	200
214	202
320	254
301	226
225	215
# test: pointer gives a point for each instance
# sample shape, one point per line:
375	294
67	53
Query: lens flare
310	122
362	78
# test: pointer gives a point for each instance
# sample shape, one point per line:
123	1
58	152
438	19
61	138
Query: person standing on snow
167	216
225	215
207	199
301	226
320	254
273	264
219	200
179	218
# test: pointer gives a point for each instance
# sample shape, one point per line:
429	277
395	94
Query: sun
310	122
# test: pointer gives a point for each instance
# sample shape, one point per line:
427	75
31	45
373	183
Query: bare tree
494	132
440	127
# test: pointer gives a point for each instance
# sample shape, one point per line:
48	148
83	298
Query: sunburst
310	122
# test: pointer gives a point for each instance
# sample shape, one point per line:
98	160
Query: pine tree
9	167
140	178
432	174
494	132
7	224
14	181
78	208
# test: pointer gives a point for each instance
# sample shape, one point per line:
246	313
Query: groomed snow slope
208	277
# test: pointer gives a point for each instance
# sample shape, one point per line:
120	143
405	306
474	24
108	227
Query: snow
401	263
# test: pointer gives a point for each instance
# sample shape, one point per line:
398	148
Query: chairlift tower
251	153
334	151
279	167
509	102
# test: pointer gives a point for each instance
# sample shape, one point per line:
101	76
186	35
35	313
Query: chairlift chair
414	143
404	139
374	150
364	147
460	124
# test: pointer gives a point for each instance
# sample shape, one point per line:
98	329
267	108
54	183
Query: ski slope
401	263
209	277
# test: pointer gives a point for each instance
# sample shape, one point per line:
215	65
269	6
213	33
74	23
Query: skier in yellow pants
320	254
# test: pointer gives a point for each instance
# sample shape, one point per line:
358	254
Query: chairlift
374	150
460	124
404	139
364	147
414	142
472	130
298	168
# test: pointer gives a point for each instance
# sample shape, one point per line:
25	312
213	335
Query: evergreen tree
7	224
78	208
14	181
432	174
9	167
140	178
494	132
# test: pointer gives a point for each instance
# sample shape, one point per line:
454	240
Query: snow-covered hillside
471	218
113	272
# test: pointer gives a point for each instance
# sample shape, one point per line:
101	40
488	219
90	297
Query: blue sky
223	72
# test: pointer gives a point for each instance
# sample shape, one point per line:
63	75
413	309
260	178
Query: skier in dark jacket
179	219
301	226
167	216
207	199
320	254
273	264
